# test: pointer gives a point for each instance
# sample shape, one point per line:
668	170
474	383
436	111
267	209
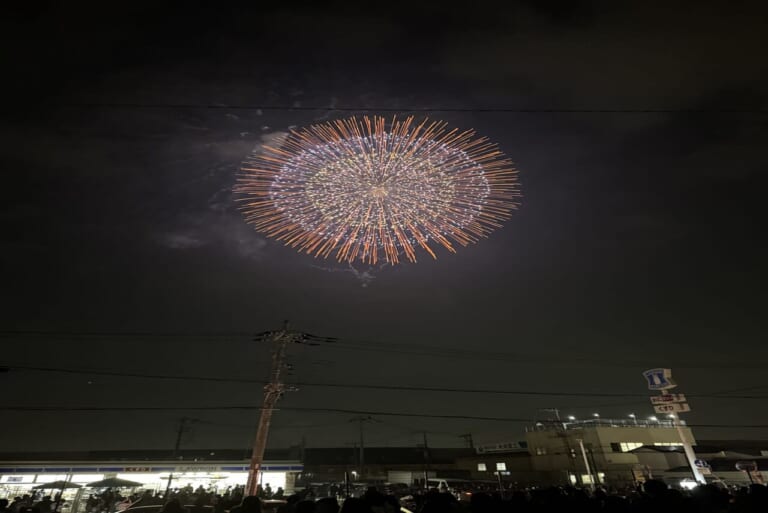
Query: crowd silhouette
654	496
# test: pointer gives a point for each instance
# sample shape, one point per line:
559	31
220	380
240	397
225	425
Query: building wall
654	463
378	472
558	452
515	467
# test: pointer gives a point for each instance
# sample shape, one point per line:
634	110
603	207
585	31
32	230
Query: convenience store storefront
19	478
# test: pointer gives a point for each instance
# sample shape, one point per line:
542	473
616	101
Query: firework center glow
366	191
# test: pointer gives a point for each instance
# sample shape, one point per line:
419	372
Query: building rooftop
150	455
312	456
602	423
383	455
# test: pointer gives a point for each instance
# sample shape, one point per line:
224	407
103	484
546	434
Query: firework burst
362	189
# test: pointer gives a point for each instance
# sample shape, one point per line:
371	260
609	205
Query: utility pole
273	391
586	463
183	428
362	448
361	460
426	459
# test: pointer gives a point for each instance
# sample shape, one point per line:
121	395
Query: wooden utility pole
273	391
183	428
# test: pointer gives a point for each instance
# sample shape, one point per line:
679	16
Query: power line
410	349
530	359
311	409
400	388
282	427
361	108
248	408
138	333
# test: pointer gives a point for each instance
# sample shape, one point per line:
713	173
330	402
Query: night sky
638	243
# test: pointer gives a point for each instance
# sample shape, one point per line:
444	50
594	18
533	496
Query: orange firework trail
364	189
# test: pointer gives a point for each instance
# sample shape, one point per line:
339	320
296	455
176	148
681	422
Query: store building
213	470
604	451
613	453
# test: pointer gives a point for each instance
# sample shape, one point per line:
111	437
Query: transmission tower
273	391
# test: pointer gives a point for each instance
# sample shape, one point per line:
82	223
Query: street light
571	418
634	418
653	418
596	415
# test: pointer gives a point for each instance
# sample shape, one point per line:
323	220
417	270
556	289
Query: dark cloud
225	231
639	241
644	58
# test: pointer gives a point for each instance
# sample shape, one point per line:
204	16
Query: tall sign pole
671	404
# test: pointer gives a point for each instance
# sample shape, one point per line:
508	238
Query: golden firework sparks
364	189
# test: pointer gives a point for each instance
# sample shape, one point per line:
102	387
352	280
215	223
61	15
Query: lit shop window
501	466
625	446
481	467
587	479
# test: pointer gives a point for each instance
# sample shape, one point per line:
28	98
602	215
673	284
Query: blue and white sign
659	379
701	463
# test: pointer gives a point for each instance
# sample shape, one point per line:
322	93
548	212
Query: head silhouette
251	504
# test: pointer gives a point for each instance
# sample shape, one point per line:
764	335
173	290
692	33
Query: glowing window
481	467
501	466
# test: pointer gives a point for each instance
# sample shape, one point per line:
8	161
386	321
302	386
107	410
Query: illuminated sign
659	379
